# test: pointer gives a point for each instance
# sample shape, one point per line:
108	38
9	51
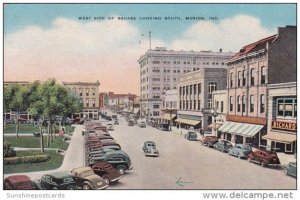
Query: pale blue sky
18	16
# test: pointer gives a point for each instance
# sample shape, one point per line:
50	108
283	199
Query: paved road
206	168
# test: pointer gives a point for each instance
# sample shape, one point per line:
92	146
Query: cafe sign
287	126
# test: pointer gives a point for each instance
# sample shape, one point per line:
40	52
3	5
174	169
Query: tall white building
160	67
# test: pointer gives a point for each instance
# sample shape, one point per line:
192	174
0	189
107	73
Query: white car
110	127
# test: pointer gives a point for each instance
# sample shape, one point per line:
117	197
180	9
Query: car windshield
192	134
246	147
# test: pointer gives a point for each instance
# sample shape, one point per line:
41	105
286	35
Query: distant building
219	110
89	94
160	67
195	91
269	60
169	106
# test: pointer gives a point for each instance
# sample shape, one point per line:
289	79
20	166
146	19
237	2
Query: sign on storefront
289	126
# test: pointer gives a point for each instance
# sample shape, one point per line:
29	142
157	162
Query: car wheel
121	170
239	156
71	187
86	187
106	180
285	171
222	150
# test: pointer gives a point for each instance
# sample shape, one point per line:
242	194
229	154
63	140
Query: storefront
282	117
189	122
241	133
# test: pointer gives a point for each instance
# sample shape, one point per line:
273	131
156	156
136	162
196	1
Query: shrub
8	151
26	159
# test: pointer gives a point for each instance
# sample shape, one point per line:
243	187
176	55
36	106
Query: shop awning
248	130
215	125
280	137
167	116
187	121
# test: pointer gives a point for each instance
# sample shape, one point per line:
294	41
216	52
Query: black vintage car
291	169
222	145
191	136
61	181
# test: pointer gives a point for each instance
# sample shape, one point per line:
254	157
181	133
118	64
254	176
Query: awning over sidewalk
214	125
280	137
248	130
187	121
167	116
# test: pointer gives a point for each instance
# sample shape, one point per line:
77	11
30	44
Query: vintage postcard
156	96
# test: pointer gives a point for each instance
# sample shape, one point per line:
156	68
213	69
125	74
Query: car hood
94	178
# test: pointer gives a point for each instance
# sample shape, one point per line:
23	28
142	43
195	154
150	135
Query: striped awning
167	116
280	137
243	129
187	121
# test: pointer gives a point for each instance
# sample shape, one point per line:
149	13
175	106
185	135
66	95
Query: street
184	164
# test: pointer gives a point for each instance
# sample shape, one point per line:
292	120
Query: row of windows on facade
87	91
169	104
157	79
157	70
87	103
242	77
241	103
286	107
157	88
196	89
187	62
190	105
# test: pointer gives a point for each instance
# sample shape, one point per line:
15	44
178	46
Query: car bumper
116	179
152	154
102	187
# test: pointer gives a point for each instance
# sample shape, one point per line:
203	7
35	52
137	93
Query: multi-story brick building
160	67
195	101
269	60
89	93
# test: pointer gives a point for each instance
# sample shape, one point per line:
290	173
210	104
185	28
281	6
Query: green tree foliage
8	151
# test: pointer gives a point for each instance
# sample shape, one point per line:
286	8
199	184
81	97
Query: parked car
116	121
240	150
111	147
130	123
114	116
110	126
61	181
291	169
192	136
118	159
223	145
264	157
164	127
93	181
209	140
19	182
149	149
107	172
142	124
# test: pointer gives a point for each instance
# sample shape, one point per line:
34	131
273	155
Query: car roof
81	169
60	174
18	178
149	142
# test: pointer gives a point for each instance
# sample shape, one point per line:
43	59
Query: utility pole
150	39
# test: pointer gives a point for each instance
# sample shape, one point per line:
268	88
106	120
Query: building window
244	77
231	79
94	92
155	113
222	106
210	102
180	104
239	79
195	86
212	87
195	104
252	77
191	89
230	104
199	104
262	103
80	92
199	88
87	92
183	90
287	107
183	105
94	103
263	75
74	90
87	103
187	104
251	103
238	102
156	106
187	90
180	91
191	104
243	104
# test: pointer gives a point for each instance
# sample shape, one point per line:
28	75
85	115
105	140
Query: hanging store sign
289	126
